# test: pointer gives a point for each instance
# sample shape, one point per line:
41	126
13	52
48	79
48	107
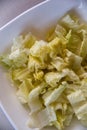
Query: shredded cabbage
51	75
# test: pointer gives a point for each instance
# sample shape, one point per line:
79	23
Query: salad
51	75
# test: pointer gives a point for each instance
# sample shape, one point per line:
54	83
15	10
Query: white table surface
9	9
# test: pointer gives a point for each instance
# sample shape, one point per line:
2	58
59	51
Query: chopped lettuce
39	75
55	94
59	63
51	75
74	61
34	64
24	90
83	49
79	104
56	47
74	42
40	50
16	59
53	78
19	74
61	32
71	23
21	42
4	60
43	118
34	100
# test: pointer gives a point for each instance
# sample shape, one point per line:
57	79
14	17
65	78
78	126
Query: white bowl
36	20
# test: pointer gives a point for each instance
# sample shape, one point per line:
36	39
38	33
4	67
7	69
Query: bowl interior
36	20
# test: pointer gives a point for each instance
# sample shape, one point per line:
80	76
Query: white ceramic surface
37	20
8	10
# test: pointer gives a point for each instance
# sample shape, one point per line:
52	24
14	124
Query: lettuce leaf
44	117
56	47
22	42
55	94
74	61
24	90
59	63
53	78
